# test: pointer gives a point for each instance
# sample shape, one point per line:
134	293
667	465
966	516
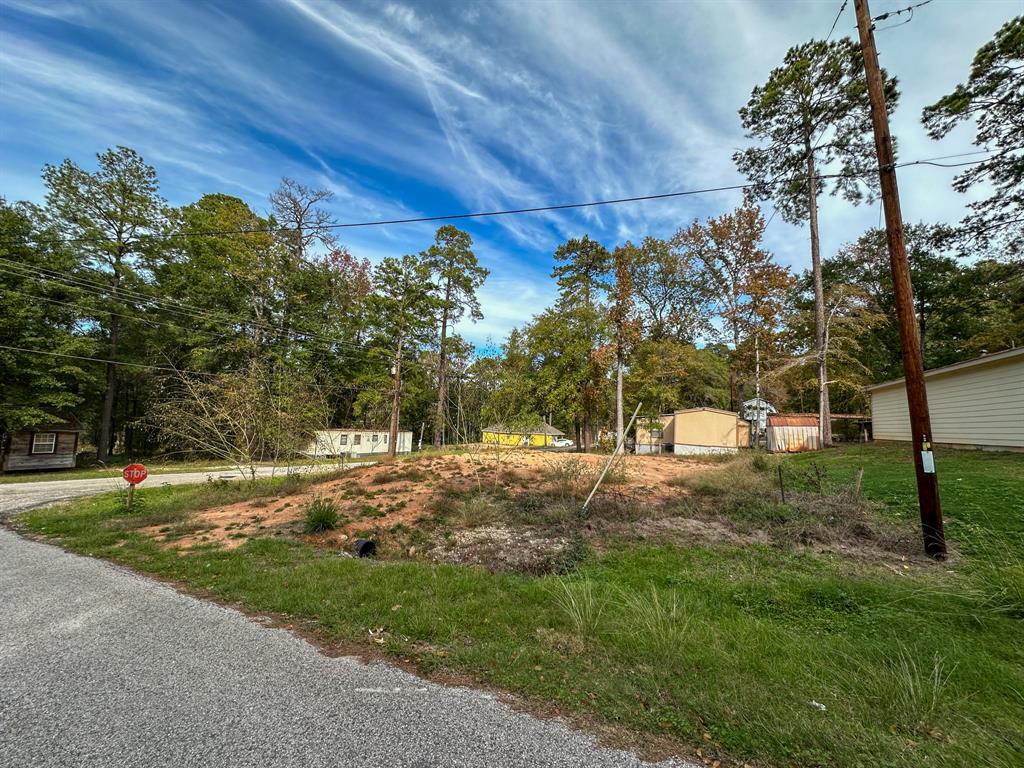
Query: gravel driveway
102	667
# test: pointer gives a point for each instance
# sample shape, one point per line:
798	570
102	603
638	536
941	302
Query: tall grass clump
660	624
321	515
581	604
910	691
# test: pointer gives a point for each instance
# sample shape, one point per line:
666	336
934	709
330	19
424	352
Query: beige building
978	403
653	434
708	430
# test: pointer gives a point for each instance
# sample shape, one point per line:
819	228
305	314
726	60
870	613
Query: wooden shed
49	445
709	430
792	433
977	403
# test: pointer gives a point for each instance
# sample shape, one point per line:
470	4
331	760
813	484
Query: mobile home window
385	439
44	442
656	434
357	439
374	437
342	439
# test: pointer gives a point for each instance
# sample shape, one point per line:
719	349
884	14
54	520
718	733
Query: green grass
730	649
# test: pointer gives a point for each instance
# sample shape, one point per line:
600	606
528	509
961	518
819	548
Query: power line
841	9
445	217
909	8
150	367
128	296
884	16
111	362
348	347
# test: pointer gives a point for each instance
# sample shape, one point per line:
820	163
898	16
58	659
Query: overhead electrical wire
841	9
444	217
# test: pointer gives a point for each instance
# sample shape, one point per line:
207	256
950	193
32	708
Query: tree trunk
442	373
586	431
824	414
395	401
104	444
620	427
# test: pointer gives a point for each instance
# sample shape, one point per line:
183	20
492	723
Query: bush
321	515
567	477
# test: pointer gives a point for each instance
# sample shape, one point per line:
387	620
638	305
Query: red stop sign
134	473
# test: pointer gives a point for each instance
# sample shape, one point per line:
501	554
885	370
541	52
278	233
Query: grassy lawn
761	653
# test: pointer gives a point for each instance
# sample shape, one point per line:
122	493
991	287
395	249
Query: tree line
117	304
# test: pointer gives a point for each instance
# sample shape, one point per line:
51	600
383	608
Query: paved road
18	496
102	667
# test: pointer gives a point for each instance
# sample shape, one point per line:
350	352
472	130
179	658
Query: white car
562	442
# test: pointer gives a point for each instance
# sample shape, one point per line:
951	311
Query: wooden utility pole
910	340
396	400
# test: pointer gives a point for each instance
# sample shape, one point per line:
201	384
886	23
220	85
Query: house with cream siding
977	403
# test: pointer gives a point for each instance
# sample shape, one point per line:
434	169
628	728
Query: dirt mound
403	493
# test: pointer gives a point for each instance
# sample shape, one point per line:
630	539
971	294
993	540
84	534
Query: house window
342	439
656	434
357	439
44	442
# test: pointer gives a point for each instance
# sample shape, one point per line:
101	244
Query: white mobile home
355	442
978	403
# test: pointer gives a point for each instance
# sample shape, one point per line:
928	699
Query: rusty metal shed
792	433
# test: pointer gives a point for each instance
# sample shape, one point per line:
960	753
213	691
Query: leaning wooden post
615	453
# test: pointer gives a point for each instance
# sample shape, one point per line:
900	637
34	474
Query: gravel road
18	496
102	667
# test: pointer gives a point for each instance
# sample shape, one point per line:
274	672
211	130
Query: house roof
363	430
539	429
792	420
711	410
995	357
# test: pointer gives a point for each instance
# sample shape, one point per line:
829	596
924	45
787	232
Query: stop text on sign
134	474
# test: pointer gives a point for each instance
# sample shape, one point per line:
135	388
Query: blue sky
408	109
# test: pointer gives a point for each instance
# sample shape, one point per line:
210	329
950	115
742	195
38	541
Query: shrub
321	515
479	509
566	476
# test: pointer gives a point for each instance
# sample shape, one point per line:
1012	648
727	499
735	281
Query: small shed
709	430
537	436
48	445
356	442
792	433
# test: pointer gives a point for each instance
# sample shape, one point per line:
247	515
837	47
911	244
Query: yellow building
535	437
